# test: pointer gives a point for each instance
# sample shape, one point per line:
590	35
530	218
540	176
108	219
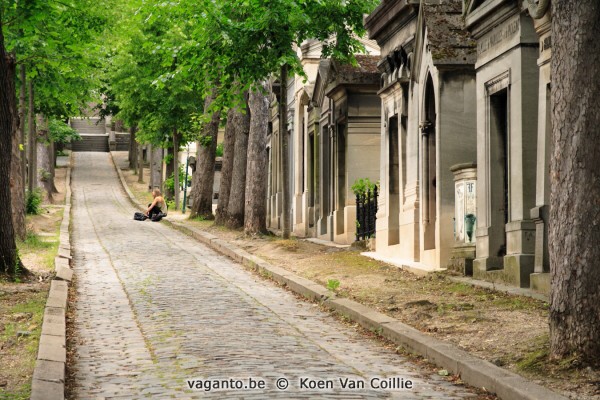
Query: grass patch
353	260
508	302
34	242
202	223
35	308
289	244
460	288
41	250
22	311
537	359
446	307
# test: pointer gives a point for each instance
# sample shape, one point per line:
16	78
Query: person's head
156	193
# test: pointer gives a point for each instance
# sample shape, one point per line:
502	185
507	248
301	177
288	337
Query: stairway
93	135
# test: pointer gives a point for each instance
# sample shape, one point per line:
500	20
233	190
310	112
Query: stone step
90	125
91	143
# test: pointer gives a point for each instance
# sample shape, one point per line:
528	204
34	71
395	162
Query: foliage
205	140
60	132
170	181
44	175
33	202
214	44
220	150
167	57
333	284
170	204
34	242
145	51
60	46
362	185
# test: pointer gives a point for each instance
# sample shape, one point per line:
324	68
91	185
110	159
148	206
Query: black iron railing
366	210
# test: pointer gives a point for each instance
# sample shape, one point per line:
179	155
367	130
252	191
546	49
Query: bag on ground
139	216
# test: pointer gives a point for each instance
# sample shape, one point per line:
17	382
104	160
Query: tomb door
499	170
429	165
393	182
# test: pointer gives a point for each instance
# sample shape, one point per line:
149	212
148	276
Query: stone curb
48	381
130	195
472	370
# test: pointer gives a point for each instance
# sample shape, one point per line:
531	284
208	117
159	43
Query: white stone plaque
470	210
459	212
465	211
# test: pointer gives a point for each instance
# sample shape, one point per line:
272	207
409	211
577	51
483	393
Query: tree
51	132
237	195
19	165
285	160
31	142
17	183
256	178
575	180
226	168
44	176
203	179
143	87
9	258
133	149
248	42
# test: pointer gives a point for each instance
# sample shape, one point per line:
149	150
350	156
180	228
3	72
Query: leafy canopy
59	43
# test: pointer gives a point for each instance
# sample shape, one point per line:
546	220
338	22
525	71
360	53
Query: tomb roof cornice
490	14
389	18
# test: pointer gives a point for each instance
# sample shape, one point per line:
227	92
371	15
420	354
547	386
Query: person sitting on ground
158	205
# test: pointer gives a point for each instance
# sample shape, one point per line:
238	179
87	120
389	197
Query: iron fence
366	210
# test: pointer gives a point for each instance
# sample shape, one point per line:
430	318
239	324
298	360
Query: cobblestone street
156	308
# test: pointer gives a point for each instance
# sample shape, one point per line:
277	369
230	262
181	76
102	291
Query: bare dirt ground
507	330
22	302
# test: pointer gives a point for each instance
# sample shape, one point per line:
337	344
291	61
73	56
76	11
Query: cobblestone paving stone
155	308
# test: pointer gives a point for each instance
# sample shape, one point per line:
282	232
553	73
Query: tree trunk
44	159
32	157
203	179
150	152
237	194
285	160
23	136
156	167
119	125
256	178
226	168
52	146
133	149
169	171
17	184
574	232
176	167
9	258
140	163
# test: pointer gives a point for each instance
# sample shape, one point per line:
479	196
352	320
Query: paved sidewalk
155	308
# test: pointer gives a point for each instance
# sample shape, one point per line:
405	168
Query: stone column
540	279
112	141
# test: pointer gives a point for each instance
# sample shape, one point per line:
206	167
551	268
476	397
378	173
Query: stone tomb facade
427	90
507	140
342	142
333	123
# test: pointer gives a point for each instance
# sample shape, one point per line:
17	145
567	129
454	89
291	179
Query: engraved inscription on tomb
498	35
545	43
